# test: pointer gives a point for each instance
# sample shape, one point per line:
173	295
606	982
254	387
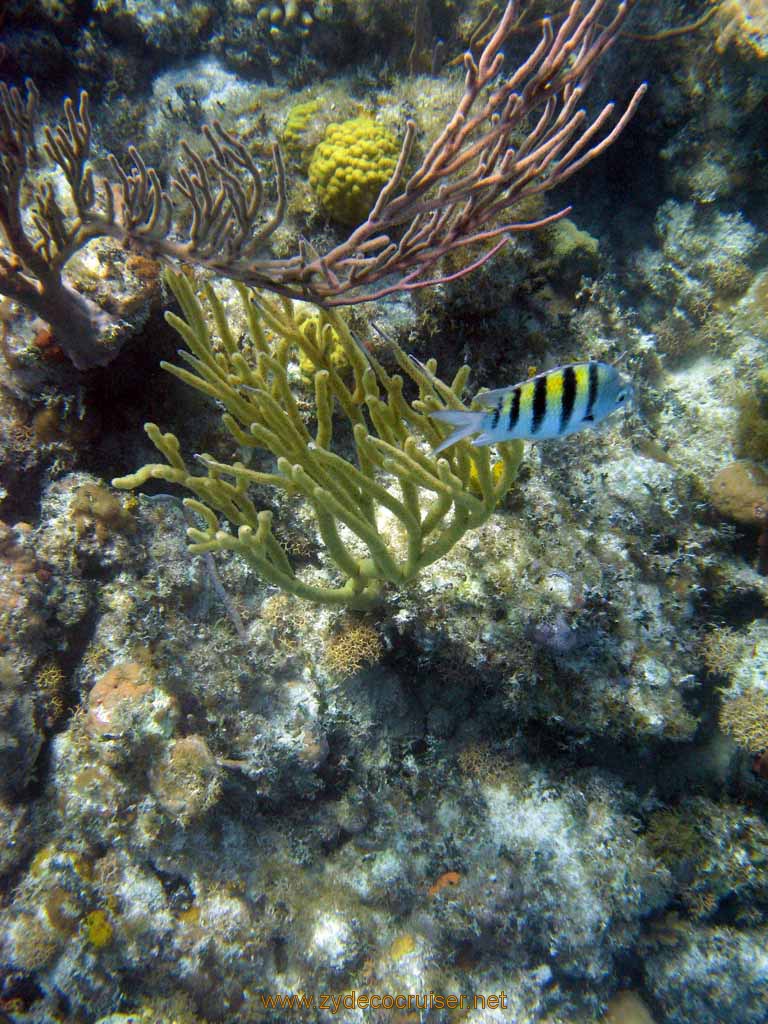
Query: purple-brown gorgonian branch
510	138
40	236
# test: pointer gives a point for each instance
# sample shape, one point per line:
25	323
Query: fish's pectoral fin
483	439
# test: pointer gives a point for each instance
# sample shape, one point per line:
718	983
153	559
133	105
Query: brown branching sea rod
214	214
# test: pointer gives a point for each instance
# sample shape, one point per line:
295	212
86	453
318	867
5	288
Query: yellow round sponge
351	166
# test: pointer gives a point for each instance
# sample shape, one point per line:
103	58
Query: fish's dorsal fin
490	398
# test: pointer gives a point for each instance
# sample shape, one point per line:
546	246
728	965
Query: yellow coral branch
438	499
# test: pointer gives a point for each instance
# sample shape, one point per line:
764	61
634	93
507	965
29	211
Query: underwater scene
383	512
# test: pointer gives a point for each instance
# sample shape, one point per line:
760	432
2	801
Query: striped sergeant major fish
551	404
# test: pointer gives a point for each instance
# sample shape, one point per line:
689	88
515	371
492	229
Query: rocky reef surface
536	777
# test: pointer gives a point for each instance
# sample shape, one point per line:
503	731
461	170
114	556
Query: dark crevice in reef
71	652
128	393
24	489
78	640
617	201
738	608
94	421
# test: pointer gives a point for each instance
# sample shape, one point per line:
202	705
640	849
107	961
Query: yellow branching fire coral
351	166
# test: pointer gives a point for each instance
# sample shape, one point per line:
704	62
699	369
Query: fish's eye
621	396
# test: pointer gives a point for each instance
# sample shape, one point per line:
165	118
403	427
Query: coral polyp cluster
284	16
350	167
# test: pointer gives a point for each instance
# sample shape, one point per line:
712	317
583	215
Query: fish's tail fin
466	423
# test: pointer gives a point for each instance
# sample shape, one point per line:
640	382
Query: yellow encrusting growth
497	469
402	946
350	167
98	929
297	125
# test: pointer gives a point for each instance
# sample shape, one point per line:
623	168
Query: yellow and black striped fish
552	404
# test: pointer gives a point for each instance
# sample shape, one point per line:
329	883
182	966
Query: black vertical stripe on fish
514	410
496	414
569	396
593	381
539	403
